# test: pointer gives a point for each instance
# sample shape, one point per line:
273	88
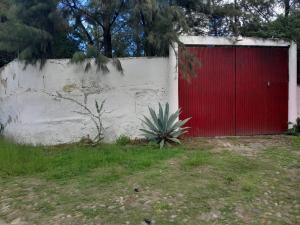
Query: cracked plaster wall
32	116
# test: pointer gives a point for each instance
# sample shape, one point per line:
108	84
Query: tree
32	29
109	29
196	12
94	21
211	17
4	6
284	28
288	6
156	25
5	57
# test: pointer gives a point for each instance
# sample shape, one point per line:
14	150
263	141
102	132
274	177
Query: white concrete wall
293	102
298	99
34	117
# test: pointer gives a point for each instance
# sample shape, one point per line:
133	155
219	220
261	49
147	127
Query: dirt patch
248	146
2	222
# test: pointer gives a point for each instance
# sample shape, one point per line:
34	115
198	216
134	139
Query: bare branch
96	118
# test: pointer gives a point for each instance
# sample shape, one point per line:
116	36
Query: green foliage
160	23
189	63
78	57
100	60
123	140
32	29
283	28
63	46
36	30
163	127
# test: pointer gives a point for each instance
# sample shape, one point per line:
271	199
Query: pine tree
5	57
95	21
30	29
157	24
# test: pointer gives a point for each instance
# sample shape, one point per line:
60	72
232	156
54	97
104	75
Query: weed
123	140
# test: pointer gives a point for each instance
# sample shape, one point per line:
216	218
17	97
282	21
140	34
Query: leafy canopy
33	29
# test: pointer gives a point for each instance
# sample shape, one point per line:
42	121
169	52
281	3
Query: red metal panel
209	98
261	90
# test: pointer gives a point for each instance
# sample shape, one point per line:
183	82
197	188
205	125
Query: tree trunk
107	42
287	8
236	20
107	36
138	45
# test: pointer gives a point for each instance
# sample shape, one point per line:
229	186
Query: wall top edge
234	41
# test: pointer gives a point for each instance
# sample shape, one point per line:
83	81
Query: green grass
297	142
64	162
190	184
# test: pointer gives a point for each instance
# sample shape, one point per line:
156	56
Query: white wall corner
173	78
293	103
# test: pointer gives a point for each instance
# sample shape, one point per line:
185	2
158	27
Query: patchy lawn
206	181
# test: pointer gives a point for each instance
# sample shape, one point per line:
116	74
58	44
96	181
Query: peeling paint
42	119
4	82
44	83
68	88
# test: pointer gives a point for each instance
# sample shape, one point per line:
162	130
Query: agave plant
163	127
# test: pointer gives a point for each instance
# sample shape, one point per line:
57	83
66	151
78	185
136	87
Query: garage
239	89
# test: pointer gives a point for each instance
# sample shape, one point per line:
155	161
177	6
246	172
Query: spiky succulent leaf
154	117
179	124
177	133
176	140
161	113
150	125
166	116
173	118
163	127
148	132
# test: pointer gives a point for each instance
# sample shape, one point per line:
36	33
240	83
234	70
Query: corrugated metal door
261	90
209	98
238	91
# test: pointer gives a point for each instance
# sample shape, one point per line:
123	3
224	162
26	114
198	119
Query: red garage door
238	91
